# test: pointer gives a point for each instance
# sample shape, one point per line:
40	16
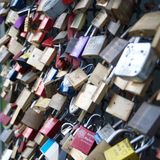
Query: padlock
51	126
61	37
38	37
133	87
99	74
60	22
25	99
15	149
40	139
11	17
53	9
46	24
48	56
29	77
13	32
77	155
77	78
33	119
79	21
4	54
57	102
124	150
4	119
14	46
82	6
122	111
156	42
141	118
29	133
141	28
6	136
101	19
16	4
113	27
6	154
42	104
133	69
48	42
28	153
94	46
50	149
123	10
31	144
83	139
34	59
5	39
19	22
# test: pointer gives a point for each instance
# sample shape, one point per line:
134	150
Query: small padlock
4	54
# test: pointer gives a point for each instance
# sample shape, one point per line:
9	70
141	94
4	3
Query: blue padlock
17	4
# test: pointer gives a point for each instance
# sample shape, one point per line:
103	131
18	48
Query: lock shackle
89	120
117	133
88	31
117	124
147	145
137	139
88	68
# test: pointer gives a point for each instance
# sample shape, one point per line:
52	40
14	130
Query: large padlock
142	27
146	119
54	8
94	46
134	69
33	118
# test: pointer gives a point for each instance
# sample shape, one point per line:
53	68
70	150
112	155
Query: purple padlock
19	22
79	47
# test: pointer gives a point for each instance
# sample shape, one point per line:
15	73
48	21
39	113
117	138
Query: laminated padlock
146	119
136	70
33	119
25	99
19	22
84	138
79	21
70	45
61	37
120	107
82	6
60	22
34	59
156	42
6	136
54	8
113	27
123	10
147	25
94	46
48	56
14	46
124	150
50	149
57	102
4	54
42	104
77	78
101	19
99	74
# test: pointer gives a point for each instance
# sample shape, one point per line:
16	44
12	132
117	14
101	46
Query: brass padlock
120	107
147	25
84	96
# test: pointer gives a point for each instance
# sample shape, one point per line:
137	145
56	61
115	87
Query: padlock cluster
80	79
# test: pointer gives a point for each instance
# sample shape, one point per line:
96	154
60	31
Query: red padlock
67	2
36	19
4	119
29	133
41	90
48	42
84	138
50	127
46	24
